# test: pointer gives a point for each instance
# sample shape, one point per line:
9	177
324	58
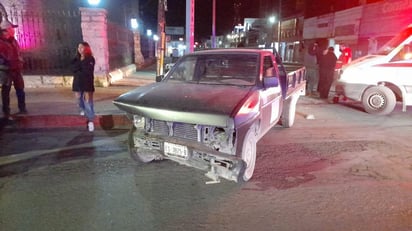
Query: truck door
270	96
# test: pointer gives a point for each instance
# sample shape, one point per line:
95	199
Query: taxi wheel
379	100
135	152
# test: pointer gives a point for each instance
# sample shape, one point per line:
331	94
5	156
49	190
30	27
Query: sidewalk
53	107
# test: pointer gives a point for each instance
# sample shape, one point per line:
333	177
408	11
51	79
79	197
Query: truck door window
268	67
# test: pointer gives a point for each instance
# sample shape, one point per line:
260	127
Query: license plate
175	150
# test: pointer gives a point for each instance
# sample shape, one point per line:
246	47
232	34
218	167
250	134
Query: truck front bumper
197	155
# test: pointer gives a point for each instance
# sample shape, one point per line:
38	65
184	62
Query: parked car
380	80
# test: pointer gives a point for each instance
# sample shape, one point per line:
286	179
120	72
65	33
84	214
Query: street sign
175	30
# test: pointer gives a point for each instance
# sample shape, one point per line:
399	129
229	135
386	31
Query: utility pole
214	24
190	25
160	54
279	25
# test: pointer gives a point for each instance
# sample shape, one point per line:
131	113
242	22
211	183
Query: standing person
346	54
10	52
327	65
311	64
83	82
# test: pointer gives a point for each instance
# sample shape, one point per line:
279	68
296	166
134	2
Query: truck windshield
395	42
232	69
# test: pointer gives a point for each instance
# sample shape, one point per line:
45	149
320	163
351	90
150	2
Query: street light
134	24
272	20
94	2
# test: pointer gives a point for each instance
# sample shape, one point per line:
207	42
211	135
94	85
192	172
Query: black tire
248	156
137	154
379	100
288	114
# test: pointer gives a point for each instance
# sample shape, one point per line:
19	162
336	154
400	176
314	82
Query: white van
381	79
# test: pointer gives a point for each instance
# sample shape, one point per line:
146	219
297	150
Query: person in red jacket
346	54
14	62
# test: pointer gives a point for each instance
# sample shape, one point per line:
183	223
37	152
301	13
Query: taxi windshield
395	42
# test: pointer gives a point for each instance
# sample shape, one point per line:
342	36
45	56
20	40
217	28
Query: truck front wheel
248	155
379	100
135	152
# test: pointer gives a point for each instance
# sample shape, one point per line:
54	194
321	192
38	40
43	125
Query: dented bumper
189	153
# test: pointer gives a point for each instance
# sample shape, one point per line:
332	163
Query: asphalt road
342	170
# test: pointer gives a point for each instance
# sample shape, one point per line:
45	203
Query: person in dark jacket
83	82
327	65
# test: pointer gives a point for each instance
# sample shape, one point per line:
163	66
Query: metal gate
48	40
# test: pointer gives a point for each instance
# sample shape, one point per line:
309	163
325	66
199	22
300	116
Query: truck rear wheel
288	114
135	152
248	156
379	100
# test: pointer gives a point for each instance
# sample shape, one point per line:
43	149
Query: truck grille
178	130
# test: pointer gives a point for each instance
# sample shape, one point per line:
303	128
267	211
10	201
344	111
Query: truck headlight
139	121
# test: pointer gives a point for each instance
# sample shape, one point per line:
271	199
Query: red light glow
251	105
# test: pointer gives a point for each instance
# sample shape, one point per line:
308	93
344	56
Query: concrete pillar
190	25
138	57
94	31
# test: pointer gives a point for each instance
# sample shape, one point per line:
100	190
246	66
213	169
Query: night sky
175	16
224	16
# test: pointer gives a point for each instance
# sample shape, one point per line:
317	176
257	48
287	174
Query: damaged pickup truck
211	109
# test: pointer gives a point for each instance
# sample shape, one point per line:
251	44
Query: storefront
291	47
381	21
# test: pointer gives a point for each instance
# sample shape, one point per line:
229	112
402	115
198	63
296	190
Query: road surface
342	170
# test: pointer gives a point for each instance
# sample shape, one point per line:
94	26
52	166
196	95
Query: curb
105	122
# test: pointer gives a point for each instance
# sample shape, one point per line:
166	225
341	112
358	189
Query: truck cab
380	80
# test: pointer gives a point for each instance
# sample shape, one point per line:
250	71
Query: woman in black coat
83	82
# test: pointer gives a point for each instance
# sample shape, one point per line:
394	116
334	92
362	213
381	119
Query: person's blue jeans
85	102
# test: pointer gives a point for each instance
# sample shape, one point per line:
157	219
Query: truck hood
184	102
